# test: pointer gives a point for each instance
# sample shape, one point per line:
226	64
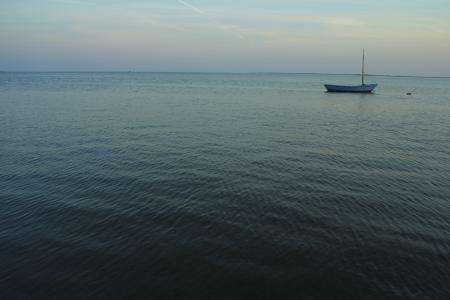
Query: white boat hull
364	88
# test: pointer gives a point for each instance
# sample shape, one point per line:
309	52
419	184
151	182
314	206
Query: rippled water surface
222	186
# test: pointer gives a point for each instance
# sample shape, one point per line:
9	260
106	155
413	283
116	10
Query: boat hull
364	88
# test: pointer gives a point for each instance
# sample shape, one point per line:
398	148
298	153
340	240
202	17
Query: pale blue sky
401	37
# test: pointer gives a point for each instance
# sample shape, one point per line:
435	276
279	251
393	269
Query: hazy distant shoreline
230	73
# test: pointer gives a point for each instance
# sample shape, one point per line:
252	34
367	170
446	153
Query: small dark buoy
409	94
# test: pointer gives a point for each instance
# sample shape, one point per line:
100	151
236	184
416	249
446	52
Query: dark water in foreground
261	186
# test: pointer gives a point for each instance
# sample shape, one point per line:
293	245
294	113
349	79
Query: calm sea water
223	186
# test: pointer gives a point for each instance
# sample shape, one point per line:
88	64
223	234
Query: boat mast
362	73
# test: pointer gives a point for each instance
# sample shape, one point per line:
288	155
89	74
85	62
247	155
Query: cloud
192	7
225	27
335	20
74	2
236	30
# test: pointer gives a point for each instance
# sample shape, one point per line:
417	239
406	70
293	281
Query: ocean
223	186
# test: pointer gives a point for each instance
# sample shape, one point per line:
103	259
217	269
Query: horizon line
234	72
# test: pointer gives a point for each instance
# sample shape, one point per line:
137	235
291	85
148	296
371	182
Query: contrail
213	21
196	9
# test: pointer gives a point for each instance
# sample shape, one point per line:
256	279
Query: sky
321	36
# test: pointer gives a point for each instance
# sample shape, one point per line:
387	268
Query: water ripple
222	186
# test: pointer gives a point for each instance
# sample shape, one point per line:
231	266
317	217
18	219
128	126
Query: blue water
223	186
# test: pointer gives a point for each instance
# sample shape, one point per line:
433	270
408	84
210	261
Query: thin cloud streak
224	27
192	7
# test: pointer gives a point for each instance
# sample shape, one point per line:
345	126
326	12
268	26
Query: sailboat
363	88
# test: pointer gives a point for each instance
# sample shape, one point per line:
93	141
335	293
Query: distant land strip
236	73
